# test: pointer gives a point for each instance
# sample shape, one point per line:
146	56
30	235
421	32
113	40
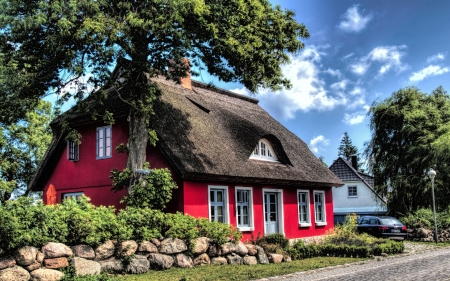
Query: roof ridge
223	91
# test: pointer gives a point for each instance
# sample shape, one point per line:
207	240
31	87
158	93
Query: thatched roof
209	134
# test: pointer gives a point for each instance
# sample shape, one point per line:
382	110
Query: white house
357	194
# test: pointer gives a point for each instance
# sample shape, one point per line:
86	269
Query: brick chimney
184	81
355	162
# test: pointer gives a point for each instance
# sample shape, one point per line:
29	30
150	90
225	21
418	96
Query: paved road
431	265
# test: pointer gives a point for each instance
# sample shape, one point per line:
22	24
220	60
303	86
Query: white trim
308	208
251	226
280	208
268	148
348	191
72	194
324	213
103	129
77	151
225	203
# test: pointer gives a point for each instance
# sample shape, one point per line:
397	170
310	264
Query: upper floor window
263	151
352	191
72	151
104	143
244	208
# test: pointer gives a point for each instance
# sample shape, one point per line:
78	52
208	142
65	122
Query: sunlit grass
242	272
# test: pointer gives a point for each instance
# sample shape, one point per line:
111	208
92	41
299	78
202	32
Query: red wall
91	176
196	204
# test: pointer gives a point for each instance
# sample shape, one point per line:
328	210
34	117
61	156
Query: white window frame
250	226
105	148
76	151
323	209
355	189
280	208
306	223
268	150
225	202
72	194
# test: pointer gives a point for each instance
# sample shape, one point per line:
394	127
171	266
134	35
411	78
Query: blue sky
358	53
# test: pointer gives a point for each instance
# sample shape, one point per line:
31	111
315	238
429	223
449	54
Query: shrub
424	217
388	247
276	238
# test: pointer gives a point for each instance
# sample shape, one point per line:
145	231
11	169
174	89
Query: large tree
47	44
400	152
346	149
22	146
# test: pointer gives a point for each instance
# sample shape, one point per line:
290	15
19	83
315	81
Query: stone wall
30	263
424	234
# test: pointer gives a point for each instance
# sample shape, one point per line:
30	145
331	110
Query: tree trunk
137	144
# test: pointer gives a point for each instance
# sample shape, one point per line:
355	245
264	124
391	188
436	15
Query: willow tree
47	44
405	128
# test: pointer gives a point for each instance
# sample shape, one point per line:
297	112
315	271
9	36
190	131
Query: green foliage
153	190
424	218
405	128
346	149
22	146
276	238
388	247
145	224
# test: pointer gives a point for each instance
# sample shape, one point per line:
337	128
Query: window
72	151
352	191
244	208
218	203
73	195
104	145
263	151
319	207
303	208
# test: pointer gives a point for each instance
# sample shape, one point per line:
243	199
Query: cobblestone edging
411	249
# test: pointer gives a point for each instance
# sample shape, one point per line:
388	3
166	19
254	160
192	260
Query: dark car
382	226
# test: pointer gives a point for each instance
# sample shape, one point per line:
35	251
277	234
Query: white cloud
308	88
431	70
341	85
353	20
359	68
318	143
334	72
390	58
436	57
354	118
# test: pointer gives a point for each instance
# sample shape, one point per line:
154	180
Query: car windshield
390	221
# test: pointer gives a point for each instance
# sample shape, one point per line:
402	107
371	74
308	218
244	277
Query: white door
271	212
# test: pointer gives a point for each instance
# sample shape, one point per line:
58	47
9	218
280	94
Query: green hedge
24	223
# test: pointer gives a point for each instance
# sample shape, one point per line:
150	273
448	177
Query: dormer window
263	151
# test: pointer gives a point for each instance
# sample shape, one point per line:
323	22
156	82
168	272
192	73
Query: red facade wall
91	176
196	204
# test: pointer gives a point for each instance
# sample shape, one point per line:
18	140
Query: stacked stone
29	263
423	234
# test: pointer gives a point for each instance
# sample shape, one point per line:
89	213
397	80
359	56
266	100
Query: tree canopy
400	152
22	146
45	45
346	149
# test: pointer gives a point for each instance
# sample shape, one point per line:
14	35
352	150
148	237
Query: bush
388	247
276	238
24	223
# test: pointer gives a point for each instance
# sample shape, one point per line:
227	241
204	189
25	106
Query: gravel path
418	262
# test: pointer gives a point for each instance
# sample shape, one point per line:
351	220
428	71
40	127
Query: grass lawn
235	272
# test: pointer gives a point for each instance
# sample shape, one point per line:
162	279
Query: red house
232	161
